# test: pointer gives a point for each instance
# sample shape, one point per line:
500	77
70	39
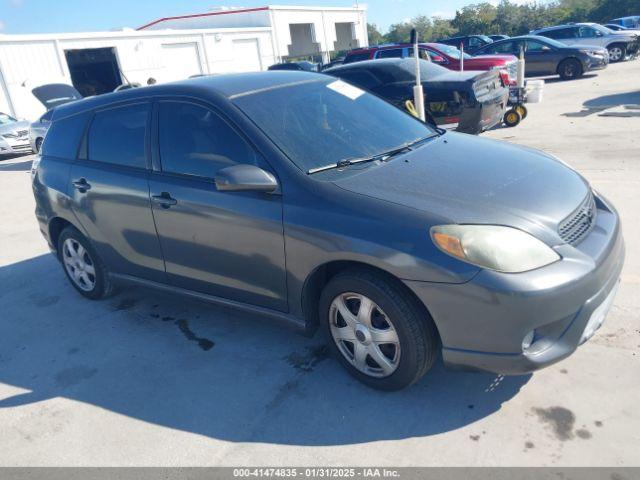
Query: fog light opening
527	341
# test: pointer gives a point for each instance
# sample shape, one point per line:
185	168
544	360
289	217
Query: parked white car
620	44
14	136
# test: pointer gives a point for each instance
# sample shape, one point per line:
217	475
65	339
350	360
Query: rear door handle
82	185
164	200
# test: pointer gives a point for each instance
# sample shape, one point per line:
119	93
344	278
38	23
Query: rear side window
118	136
64	135
560	34
196	141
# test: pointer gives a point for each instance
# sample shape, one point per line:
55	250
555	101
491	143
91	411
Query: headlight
593	53
503	249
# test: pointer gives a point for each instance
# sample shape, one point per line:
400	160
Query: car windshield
6	119
324	122
453	52
485	38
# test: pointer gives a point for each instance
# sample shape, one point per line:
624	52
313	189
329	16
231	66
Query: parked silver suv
620	44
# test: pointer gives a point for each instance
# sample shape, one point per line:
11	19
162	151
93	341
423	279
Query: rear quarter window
64	135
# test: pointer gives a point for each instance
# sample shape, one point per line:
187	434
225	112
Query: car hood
488	61
466	179
15	127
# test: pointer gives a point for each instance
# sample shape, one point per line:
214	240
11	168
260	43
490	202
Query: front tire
617	52
570	69
376	330
82	265
38	145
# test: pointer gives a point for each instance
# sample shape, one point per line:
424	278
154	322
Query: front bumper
593	63
15	149
486	114
483	322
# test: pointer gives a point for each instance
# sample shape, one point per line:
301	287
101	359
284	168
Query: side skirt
284	319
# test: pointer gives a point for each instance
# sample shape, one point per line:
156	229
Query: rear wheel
83	267
617	52
377	331
570	69
522	110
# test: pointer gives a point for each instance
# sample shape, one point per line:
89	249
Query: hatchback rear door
110	191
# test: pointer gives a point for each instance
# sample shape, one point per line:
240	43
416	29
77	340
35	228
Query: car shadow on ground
202	369
6	165
624	105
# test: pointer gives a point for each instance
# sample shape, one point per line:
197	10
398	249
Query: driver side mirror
245	178
545	49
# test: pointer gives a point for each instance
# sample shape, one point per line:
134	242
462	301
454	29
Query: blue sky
41	16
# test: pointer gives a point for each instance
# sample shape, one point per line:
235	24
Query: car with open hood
299	198
51	96
469	101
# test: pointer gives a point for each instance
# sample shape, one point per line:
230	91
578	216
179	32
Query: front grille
23	133
576	226
21	148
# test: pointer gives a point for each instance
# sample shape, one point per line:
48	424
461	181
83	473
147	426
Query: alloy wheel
364	334
615	54
79	265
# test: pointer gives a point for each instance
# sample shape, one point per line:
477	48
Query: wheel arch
322	274
56	226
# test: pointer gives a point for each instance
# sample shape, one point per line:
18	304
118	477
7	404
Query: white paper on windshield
345	89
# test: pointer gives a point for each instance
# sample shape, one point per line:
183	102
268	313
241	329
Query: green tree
375	37
475	19
401	32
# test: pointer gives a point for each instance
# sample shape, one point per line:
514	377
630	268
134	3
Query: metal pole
418	92
462	57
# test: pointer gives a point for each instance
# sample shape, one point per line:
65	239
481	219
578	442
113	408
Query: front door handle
164	200
82	185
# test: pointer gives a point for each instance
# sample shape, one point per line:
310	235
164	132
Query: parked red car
444	55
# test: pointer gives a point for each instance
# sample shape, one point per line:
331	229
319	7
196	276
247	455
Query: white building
297	31
224	41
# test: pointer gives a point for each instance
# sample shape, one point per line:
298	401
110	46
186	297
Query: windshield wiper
354	161
407	147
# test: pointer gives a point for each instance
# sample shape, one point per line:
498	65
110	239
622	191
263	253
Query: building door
94	71
181	61
246	55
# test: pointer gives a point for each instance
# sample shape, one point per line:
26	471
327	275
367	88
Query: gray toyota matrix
305	200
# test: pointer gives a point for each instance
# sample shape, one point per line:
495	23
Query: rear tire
82	265
617	52
376	330
570	69
522	110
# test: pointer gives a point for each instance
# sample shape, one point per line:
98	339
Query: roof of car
566	25
220	86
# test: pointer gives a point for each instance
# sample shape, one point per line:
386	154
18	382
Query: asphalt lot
145	379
